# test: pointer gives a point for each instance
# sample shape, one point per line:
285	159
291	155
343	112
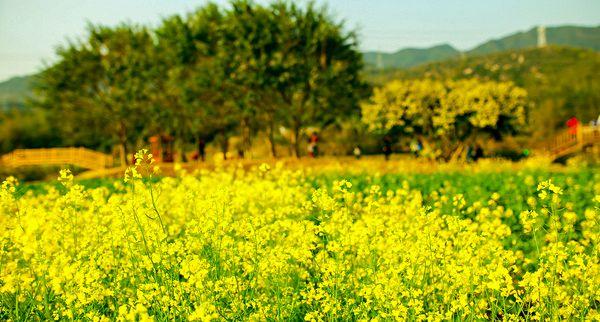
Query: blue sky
30	30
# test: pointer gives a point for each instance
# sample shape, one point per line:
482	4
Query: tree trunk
459	153
200	148
296	141
122	144
245	135
271	138
180	147
122	154
224	144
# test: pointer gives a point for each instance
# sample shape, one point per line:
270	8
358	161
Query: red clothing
573	123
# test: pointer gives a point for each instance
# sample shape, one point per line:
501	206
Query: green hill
410	56
561	81
574	36
14	92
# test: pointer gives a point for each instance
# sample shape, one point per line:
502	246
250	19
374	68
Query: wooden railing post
579	137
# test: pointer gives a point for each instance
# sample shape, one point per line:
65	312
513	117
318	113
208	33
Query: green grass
578	185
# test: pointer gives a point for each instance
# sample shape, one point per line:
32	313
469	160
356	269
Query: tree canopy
447	114
211	73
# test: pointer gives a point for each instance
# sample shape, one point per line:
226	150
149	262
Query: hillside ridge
566	35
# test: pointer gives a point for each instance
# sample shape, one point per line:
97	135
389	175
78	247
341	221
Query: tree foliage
320	68
448	113
101	87
214	72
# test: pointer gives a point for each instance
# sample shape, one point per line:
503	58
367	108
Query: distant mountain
14	92
561	81
409	57
573	36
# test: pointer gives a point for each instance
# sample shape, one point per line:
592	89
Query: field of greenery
276	242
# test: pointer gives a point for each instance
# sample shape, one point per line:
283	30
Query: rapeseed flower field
275	243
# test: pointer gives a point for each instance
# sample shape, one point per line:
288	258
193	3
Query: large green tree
100	86
191	100
212	73
319	68
248	53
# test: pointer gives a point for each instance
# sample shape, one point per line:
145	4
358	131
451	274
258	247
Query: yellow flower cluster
264	244
426	103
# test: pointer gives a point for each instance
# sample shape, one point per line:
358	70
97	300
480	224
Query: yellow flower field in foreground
264	244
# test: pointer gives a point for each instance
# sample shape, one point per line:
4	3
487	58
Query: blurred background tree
320	78
99	88
446	116
211	74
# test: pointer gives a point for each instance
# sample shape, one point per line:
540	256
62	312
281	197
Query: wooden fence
80	157
567	142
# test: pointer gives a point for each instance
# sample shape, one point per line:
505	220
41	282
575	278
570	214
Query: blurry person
572	124
357	152
387	147
414	147
201	149
310	148
313	142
